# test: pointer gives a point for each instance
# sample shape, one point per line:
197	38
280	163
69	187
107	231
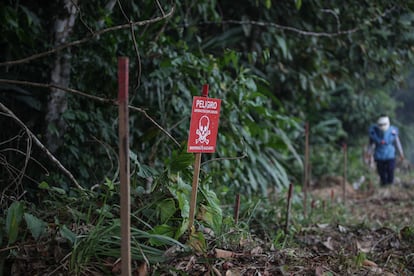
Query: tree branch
135	46
225	158
41	146
86	39
300	31
69	90
95	98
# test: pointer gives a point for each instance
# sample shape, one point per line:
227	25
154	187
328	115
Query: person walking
383	140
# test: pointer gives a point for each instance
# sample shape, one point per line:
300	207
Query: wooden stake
237	209
288	208
306	170
197	162
124	167
345	173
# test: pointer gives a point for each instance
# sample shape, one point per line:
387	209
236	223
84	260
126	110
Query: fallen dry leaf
376	270
257	250
233	272
369	263
190	263
227	265
342	229
322	225
216	271
224	254
389	274
364	246
116	267
143	269
328	244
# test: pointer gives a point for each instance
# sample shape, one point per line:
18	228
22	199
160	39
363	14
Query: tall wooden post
197	163
306	170
124	167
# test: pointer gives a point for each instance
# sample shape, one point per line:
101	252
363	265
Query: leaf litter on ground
379	242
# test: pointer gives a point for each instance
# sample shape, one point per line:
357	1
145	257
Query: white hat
383	123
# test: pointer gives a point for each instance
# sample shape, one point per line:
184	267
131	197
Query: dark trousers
385	170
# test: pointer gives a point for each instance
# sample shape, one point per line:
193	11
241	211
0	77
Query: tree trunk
60	76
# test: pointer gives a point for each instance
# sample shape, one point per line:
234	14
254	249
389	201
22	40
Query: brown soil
379	242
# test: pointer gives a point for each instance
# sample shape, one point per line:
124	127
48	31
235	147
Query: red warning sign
204	125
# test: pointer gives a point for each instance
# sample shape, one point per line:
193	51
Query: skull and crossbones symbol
203	130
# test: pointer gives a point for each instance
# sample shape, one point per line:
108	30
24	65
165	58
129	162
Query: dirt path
379	241
386	206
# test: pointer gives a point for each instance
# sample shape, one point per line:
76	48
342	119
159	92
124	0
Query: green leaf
36	226
298	4
212	217
166	209
133	157
14	217
303	81
146	171
282	44
59	190
68	234
31	17
161	230
184	205
197	242
43	185
181	161
211	213
251	85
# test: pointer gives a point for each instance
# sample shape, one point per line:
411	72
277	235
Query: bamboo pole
124	166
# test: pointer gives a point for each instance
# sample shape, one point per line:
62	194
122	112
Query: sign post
123	79
202	137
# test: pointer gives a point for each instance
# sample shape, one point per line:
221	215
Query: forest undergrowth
371	233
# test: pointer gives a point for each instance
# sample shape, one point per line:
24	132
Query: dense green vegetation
275	65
